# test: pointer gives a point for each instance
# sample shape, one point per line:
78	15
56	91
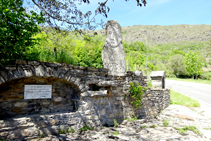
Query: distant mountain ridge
156	34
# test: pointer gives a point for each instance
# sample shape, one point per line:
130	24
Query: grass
85	128
191	80
153	126
165	123
116	133
71	130
207	128
115	123
190	128
63	131
179	99
144	126
41	136
132	118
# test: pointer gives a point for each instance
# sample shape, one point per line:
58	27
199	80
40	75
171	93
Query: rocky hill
156	34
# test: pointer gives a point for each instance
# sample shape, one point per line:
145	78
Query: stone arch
65	96
39	69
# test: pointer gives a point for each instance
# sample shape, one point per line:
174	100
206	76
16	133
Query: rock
57	99
20	62
20	104
137	73
184	117
113	54
94	93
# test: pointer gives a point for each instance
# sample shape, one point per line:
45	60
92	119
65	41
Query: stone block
20	104
54	122
57	99
102	112
107	83
34	63
20	62
120	98
92	117
94	93
29	132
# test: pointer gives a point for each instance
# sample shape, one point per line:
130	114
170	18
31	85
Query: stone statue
113	54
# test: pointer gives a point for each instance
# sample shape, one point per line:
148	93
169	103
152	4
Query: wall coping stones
107	83
94	93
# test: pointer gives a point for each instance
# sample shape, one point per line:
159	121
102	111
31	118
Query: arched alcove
65	95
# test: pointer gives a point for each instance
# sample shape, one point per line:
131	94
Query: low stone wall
80	96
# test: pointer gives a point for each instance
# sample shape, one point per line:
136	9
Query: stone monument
113	54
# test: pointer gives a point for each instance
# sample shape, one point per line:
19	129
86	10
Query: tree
17	28
194	63
67	12
177	64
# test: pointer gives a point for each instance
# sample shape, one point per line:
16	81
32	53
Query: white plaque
37	91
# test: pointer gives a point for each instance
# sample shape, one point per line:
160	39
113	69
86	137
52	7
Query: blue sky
156	12
160	12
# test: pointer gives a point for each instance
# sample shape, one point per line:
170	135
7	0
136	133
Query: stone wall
80	95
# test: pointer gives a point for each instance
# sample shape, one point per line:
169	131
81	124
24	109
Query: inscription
37	91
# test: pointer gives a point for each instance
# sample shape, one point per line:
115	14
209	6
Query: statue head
114	35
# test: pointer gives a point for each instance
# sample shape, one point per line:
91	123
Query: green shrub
136	93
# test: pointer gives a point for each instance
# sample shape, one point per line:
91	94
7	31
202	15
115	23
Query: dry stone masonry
79	95
42	98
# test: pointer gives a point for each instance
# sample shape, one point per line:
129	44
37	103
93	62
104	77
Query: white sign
37	91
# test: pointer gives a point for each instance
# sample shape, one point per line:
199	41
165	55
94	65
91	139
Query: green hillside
156	48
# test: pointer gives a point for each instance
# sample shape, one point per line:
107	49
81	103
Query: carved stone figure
113	54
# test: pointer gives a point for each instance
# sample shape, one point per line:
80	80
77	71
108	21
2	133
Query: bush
136	93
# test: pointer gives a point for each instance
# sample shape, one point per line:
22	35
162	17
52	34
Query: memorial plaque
37	91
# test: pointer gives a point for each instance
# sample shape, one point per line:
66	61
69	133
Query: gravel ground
175	123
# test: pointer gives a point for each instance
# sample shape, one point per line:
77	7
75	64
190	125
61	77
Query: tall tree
194	63
17	28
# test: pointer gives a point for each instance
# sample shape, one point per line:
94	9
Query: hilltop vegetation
85	50
156	34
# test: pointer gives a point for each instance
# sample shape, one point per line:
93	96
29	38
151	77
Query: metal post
127	66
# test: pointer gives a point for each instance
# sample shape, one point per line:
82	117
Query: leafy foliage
136	93
61	47
194	63
177	65
17	28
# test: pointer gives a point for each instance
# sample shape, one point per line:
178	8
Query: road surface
198	91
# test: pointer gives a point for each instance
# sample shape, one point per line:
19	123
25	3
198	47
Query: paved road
198	91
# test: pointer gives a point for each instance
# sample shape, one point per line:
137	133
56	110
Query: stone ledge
107	83
94	93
